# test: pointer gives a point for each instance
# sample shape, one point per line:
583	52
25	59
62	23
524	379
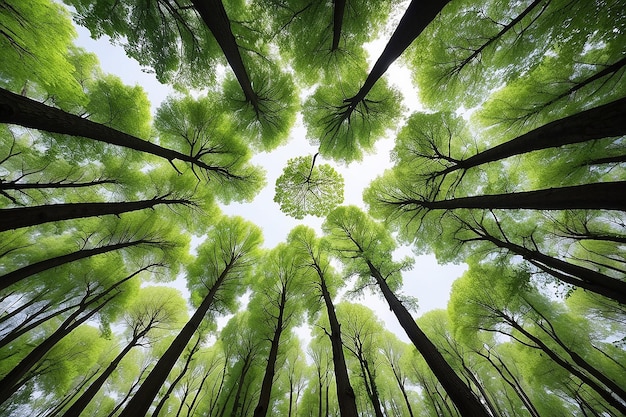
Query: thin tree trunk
37	267
268	379
143	398
180	376
22	111
52	185
599	122
460	394
79	405
402	389
13	381
214	16
15	218
242	378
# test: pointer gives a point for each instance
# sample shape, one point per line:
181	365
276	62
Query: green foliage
305	188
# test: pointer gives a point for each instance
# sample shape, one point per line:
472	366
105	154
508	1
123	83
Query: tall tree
216	277
365	247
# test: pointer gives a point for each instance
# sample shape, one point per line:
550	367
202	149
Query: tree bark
22	111
460	394
15	218
214	16
598	196
339	8
345	394
268	379
143	398
599	122
35	268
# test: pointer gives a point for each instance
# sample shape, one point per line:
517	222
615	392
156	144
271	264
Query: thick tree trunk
460	394
22	111
268	379
79	405
143	398
35	268
345	393
214	16
339	8
599	122
15	218
598	196
417	16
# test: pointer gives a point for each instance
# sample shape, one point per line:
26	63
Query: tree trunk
35	268
268	379
13	381
339	8
180	376
22	111
373	389
79	405
214	16
15	218
464	399
569	273
345	393
242	377
598	196
606	395
402	389
417	16
599	122
143	398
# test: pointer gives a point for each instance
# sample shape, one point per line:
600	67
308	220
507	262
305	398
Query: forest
514	166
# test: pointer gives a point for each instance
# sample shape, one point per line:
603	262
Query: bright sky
428	281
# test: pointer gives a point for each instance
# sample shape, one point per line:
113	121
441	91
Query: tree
222	265
154	308
304	188
326	282
365	249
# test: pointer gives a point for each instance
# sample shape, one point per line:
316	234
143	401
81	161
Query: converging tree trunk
15	218
22	111
143	398
462	396
15	276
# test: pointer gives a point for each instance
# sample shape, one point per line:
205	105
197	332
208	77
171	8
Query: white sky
428	281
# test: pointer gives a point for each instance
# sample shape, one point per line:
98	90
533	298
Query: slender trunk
180	376
35	268
345	393
290	398
268	379
215	18
564	271
373	389
462	396
242	377
22	111
402	389
192	406
601	391
339	8
143	398
79	405
509	26
599	122
600	196
15	218
13	381
53	185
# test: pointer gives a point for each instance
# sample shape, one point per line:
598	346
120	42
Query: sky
428	281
